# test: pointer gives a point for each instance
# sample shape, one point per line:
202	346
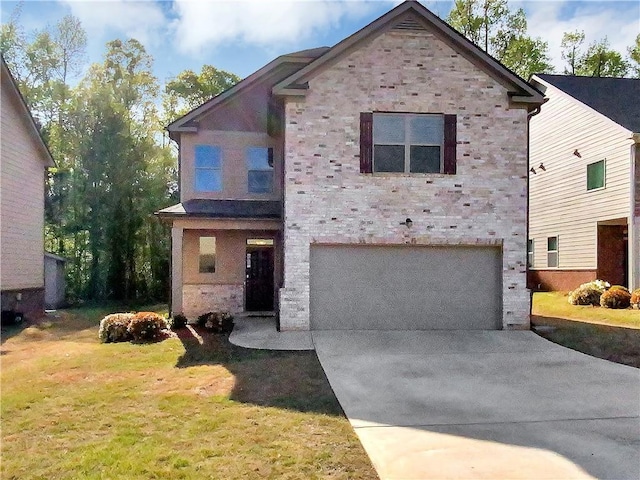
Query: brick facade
328	200
199	299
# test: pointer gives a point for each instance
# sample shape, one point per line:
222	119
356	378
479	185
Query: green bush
616	297
217	322
147	326
588	293
178	321
635	298
115	328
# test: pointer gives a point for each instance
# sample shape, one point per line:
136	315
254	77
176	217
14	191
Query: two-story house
585	183
23	160
377	184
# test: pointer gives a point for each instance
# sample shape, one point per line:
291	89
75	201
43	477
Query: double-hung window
260	169
410	143
552	251
208	176
530	252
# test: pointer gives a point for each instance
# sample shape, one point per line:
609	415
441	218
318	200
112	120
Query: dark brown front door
259	291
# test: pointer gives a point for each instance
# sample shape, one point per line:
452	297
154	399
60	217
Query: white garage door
405	288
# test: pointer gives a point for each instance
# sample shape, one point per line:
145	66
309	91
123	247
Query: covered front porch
226	256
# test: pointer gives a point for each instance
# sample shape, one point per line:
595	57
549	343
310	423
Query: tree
597	61
502	33
634	57
189	90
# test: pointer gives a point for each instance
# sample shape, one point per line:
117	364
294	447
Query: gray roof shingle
615	98
201	208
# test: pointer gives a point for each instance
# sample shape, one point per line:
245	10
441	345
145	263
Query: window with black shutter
407	143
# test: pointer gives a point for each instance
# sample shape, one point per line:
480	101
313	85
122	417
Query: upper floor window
595	175
208	174
260	169
407	143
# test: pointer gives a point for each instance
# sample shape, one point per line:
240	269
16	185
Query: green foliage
189	90
217	322
178	321
599	60
634	57
588	293
115	328
616	297
501	32
147	326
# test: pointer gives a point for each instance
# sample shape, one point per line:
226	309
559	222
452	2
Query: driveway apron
483	405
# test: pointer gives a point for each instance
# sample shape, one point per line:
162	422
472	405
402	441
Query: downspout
633	233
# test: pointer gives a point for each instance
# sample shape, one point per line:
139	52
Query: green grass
613	335
187	408
555	304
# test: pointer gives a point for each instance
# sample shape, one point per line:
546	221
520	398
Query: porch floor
261	333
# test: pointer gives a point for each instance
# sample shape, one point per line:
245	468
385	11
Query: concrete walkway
490	405
261	333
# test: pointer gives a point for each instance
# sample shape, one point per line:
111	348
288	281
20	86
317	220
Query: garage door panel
401	288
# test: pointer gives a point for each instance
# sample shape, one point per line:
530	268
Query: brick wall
199	299
328	200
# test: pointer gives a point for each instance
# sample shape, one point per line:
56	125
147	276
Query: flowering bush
616	297
635	298
588	293
145	326
178	321
115	328
217	322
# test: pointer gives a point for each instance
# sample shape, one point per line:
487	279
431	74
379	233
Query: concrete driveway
490	405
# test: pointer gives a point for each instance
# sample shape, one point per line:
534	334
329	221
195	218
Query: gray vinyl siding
560	204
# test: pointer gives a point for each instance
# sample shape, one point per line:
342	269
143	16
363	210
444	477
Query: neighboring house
584	217
377	184
23	158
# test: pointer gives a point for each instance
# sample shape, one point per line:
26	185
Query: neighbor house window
208	168
530	252
595	175
407	143
552	251
207	257
260	169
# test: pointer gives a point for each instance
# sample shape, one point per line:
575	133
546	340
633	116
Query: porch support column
634	217
176	270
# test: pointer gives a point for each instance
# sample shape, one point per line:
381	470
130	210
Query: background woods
104	124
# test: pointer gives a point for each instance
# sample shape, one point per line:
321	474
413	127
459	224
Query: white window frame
200	254
407	144
207	169
530	252
604	175
556	252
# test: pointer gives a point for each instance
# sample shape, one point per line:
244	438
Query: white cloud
142	20
618	21
201	24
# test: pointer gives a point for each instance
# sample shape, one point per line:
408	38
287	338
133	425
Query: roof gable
301	58
615	98
411	15
9	81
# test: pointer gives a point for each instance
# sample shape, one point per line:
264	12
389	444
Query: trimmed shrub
217	322
147	326
178	321
635	298
588	293
115	328
616	297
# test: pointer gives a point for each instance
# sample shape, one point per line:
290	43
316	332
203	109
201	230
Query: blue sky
242	35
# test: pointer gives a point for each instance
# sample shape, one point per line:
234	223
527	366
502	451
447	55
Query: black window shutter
366	142
270	157
450	143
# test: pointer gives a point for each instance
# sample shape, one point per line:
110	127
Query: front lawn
602	332
187	408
